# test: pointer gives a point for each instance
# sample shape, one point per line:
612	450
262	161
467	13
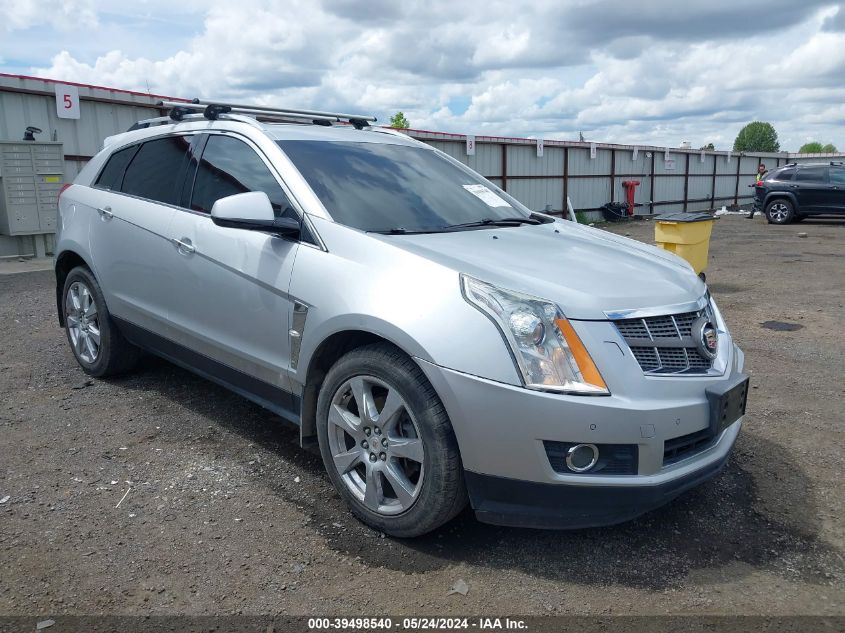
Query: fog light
582	457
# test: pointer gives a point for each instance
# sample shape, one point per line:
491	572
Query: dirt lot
226	515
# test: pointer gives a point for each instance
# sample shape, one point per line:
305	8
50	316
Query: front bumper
517	503
503	431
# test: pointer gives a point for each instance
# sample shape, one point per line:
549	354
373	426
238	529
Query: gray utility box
31	176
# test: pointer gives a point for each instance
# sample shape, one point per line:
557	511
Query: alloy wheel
375	445
779	212
83	322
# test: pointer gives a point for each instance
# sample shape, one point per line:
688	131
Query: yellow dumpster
687	235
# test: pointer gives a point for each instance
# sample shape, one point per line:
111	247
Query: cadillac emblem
706	337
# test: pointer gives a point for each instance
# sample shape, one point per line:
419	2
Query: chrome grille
664	344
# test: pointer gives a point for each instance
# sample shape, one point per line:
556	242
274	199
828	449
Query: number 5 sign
67	101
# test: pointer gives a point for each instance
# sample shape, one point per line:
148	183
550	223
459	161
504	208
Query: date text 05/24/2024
416	624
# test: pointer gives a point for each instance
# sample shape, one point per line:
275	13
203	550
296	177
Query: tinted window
837	175
229	167
112	174
814	174
781	174
156	170
376	186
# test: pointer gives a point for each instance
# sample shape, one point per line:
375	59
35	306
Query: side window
782	174
811	174
112	175
156	171
228	167
837	176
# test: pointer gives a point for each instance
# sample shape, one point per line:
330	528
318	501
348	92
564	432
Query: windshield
382	187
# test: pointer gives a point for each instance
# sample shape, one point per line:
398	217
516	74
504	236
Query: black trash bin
615	212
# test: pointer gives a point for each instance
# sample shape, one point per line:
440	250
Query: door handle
184	246
105	213
794	186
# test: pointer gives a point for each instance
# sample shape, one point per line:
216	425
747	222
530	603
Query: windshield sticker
486	195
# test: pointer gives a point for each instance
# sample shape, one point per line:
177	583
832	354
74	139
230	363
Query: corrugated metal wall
26	101
684	182
669	179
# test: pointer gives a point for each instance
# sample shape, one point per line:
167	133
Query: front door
230	302
836	201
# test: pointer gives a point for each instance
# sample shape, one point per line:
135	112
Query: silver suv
437	341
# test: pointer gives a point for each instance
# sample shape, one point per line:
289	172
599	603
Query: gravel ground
225	514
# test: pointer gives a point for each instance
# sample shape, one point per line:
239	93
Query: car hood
585	271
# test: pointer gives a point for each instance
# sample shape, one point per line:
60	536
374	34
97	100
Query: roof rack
213	110
162	120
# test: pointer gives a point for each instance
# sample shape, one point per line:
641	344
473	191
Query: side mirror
251	211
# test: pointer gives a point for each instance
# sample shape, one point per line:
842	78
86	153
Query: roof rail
213	110
164	120
391	131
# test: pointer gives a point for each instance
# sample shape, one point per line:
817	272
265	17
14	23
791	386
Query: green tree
815	147
399	121
757	136
709	147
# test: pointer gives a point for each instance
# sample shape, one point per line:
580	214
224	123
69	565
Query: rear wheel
780	211
387	443
98	346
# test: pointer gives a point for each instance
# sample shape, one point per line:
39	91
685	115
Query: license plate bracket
727	403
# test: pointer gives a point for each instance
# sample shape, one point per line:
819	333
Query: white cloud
542	68
63	15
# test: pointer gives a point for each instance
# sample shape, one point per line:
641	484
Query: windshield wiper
514	221
399	230
533	219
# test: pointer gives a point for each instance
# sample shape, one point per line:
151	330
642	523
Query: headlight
545	347
718	321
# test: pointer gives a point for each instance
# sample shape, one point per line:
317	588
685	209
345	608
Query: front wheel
780	211
387	443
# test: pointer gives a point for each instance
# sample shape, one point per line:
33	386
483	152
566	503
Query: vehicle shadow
821	220
759	514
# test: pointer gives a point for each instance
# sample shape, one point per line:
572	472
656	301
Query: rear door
135	198
777	180
837	189
811	187
230	302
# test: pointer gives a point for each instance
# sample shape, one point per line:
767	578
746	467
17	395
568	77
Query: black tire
780	211
442	493
115	355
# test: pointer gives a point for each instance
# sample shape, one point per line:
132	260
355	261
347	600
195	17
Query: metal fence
591	174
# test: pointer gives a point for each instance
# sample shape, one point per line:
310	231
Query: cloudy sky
653	71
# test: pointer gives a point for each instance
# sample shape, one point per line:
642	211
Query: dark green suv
794	191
